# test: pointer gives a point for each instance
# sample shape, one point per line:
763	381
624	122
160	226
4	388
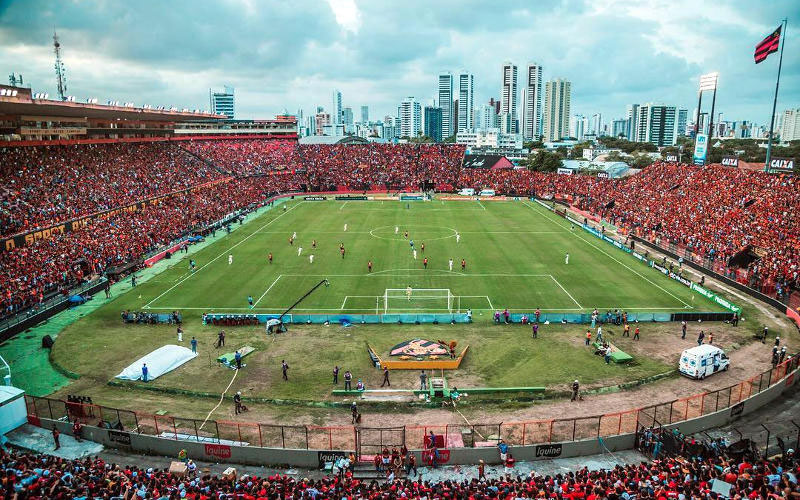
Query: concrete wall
152	445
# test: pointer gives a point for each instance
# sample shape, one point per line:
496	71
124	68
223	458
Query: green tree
543	161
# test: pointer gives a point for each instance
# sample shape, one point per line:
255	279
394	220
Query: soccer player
269	257
369	266
250	301
425	263
311	258
463	265
294	235
299	251
566	258
313	243
396	229
405	234
458	237
291	240
450	263
230	259
192	265
422	247
415	254
341	250
345	227
408	292
411	242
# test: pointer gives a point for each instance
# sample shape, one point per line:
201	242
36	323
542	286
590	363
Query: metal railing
455	435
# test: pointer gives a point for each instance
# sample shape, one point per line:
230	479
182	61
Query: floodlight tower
61	71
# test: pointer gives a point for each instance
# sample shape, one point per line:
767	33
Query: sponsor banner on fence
427	457
548	450
730	161
348	197
680	279
592	231
639	256
119	437
218	450
314	198
329	456
673	158
411	197
716	298
616	244
565	171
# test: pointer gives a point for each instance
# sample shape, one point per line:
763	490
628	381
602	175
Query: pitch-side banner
781	165
700	149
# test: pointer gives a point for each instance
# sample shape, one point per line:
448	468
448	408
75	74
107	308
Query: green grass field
514	252
515	258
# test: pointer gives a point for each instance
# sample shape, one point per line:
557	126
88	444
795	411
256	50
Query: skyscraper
465	102
632	116
556	110
347	116
683	115
508	99
577	127
433	123
488	117
223	102
364	114
619	128
446	103
336	111
790	128
532	102
410	114
657	124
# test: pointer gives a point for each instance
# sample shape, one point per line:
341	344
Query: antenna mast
61	71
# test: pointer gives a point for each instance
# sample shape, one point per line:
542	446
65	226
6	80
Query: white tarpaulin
161	361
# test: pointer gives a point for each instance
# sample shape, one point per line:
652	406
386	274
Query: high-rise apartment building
433	123
336	111
632	117
683	116
790	128
446	103
488	117
657	124
321	119
532	102
347	116
556	110
508	98
577	126
410	114
223	102
619	128
364	114
466	105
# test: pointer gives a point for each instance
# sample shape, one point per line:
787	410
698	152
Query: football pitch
514	255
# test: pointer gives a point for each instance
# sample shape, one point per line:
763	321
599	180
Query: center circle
416	232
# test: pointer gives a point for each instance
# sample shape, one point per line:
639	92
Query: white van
487	192
703	360
467	192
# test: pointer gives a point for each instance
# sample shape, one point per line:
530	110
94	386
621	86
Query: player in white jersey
311	259
450	264
299	251
230	259
566	259
408	292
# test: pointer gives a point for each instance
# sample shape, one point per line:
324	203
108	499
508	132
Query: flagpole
775	100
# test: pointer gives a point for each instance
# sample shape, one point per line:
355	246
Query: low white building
489	138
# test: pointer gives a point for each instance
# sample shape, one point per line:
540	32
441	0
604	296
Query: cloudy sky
290	54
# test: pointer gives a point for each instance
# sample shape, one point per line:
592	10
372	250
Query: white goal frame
418	294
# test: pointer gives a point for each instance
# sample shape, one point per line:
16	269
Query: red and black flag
768	45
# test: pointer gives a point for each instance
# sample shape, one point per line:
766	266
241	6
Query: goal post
405	299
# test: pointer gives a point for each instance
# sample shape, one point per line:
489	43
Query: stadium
389	319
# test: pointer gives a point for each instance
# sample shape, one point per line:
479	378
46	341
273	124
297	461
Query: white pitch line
491	307
282	308
223	253
268	289
481	205
343	204
565	291
617	261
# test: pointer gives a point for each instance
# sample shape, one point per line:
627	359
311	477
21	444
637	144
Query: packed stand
26	475
45	185
31	273
245	157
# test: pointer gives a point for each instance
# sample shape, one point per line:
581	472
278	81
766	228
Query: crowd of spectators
25	475
713	212
30	273
44	185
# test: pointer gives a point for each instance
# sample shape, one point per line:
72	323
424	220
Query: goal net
398	300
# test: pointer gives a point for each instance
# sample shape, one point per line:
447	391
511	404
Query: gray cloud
290	55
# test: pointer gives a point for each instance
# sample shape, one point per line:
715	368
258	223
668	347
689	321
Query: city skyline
614	53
